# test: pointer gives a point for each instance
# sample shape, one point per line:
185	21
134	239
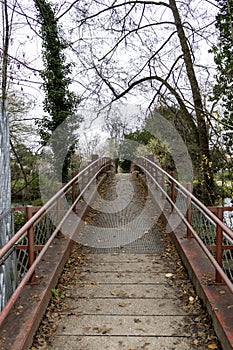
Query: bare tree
126	49
150	48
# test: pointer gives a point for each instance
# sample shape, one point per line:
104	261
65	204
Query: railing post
147	164
74	192
83	180
156	177
172	191
189	210
59	208
31	246
219	238
73	188
150	157
94	157
88	174
163	183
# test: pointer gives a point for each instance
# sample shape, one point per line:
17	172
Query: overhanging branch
158	3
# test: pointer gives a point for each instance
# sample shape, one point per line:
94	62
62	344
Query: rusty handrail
220	274
98	166
41	211
195	200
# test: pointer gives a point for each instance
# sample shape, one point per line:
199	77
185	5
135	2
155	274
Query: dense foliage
223	55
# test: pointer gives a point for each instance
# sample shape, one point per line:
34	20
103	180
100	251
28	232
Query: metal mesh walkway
122	220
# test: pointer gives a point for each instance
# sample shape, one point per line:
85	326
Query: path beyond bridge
124	286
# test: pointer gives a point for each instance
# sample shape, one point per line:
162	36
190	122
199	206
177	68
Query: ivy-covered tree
60	103
223	56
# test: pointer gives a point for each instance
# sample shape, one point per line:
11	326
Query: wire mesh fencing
21	252
206	224
8	264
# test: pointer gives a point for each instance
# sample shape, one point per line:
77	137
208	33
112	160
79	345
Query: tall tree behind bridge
148	47
60	103
223	54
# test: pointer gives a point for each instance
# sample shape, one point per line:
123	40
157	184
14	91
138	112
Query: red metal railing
170	188
75	189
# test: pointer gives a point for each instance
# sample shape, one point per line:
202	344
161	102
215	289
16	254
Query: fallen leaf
191	299
123	304
86	329
137	320
103	330
169	275
212	346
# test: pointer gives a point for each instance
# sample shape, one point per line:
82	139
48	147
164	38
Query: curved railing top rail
207	211
100	163
47	205
145	164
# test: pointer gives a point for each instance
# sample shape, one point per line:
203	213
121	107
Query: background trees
223	88
222	91
148	53
147	48
24	142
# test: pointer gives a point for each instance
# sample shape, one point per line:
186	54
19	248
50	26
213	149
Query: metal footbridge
113	253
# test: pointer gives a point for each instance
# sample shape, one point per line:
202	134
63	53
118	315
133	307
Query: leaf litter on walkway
200	327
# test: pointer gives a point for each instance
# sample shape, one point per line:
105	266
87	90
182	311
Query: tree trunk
205	181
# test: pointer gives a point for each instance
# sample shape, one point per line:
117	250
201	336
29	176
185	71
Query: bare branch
165	80
22	63
124	4
68	9
136	31
154	54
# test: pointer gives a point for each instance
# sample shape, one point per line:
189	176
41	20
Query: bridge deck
125	287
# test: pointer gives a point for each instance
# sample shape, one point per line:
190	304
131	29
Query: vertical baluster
189	210
31	246
162	183
219	242
172	191
74	194
59	208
